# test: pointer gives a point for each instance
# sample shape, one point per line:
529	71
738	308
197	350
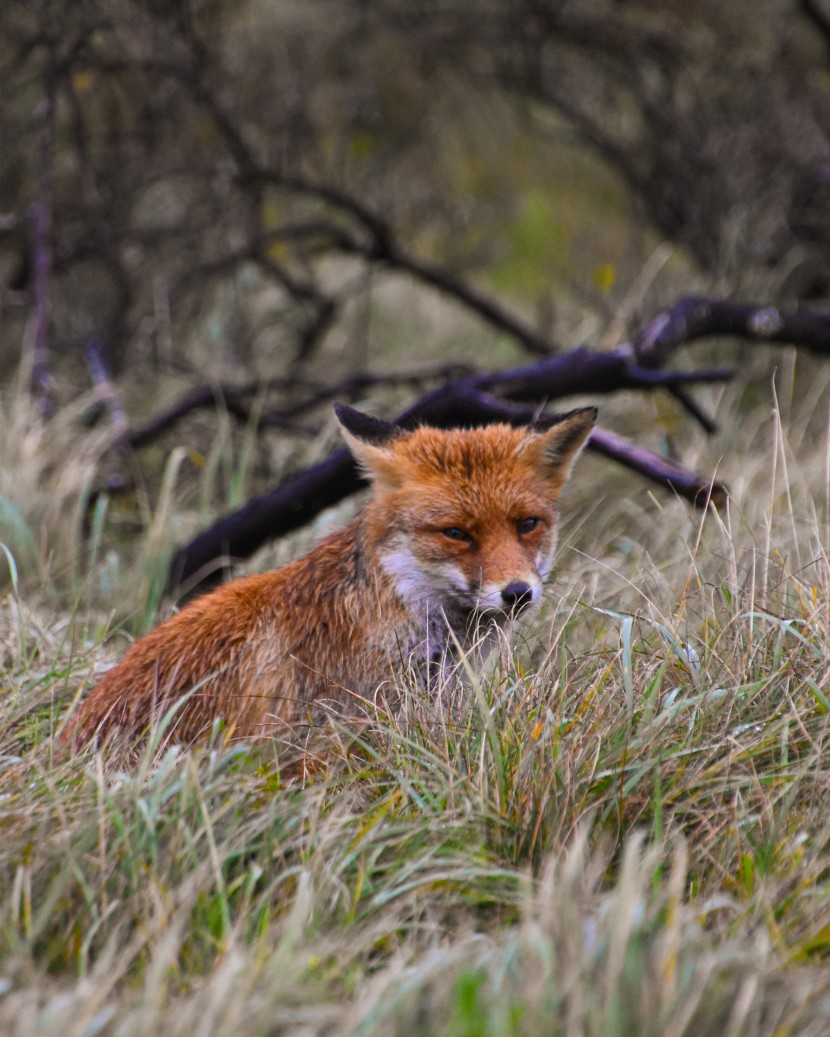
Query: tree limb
580	371
820	18
236	398
697	317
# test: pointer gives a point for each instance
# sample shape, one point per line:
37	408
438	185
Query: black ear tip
364	426
344	412
550	421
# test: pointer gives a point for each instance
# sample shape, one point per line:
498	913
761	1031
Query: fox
457	539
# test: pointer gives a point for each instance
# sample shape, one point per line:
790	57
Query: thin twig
41	217
94	355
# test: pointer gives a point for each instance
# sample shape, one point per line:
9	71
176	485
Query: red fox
458	537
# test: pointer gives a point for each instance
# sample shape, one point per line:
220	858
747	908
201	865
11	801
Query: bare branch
818	16
586	371
697	317
381	247
700	492
556	377
236	398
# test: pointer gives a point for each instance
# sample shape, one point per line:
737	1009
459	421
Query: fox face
464	520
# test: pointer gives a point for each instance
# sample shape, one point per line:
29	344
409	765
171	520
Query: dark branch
586	371
818	16
381	247
236	399
578	372
685	484
692	407
695	318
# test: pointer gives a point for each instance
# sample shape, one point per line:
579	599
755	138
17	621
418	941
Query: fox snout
508	599
517	595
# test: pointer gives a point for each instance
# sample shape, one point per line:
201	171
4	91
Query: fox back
457	540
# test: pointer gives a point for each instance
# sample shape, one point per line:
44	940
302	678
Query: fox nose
516	595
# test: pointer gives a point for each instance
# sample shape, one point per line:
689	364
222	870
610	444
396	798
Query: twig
94	355
41	217
692	407
815	13
233	397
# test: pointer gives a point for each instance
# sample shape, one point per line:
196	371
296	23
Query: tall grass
621	828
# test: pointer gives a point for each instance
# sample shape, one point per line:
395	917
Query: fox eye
526	525
455	533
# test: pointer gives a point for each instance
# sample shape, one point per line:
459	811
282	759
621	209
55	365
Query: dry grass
622	829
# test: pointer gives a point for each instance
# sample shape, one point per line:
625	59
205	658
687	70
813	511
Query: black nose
516	595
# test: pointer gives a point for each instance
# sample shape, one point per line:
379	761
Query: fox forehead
458	453
472	504
470	475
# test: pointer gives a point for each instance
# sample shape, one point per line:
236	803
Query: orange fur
460	533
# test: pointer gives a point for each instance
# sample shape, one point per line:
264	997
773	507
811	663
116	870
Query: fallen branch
237	399
582	371
698	491
696	317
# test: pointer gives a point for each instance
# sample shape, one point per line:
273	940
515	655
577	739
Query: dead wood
696	318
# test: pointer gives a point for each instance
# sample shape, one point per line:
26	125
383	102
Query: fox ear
562	441
364	427
369	440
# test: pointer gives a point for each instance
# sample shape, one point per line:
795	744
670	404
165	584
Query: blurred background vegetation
278	196
210	189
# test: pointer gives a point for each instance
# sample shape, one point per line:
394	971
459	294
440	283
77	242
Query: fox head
464	520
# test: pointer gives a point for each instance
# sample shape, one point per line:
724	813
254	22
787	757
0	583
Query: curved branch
696	317
579	372
381	247
818	16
